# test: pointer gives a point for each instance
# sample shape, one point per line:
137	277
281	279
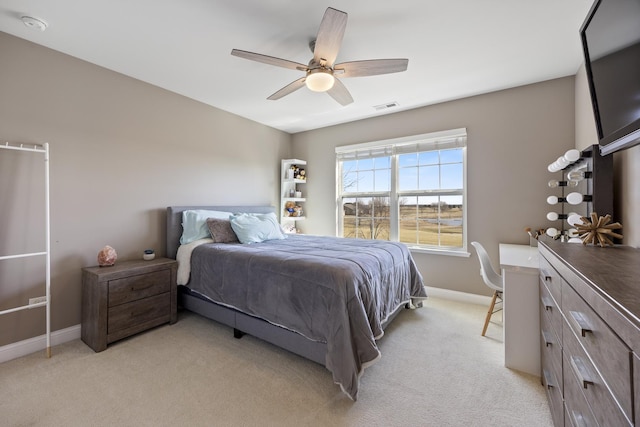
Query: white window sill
447	252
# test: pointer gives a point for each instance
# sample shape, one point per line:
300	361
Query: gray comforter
333	290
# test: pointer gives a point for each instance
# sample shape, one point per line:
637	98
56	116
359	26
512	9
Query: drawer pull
547	278
579	420
547	303
547	337
138	288
581	321
139	313
548	379
581	372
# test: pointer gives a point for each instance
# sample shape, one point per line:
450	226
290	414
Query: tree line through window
412	193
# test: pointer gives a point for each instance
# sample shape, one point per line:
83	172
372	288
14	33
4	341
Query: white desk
519	264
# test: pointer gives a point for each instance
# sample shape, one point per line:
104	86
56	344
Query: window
410	190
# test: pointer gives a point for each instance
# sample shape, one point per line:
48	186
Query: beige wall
626	165
627	188
512	136
121	151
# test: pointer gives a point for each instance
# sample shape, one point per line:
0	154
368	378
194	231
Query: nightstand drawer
140	312
607	351
137	287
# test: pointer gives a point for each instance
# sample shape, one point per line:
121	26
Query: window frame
393	148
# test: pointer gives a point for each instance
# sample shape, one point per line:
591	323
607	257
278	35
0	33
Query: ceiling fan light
319	80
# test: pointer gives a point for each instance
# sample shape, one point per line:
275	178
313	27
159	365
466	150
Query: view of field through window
429	206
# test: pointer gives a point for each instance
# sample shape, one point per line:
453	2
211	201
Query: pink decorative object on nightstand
107	256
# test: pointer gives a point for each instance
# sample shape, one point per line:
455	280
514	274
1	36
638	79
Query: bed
327	299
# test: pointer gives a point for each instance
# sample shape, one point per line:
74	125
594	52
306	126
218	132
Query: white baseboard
32	345
458	296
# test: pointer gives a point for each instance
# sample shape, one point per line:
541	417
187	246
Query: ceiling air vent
385	106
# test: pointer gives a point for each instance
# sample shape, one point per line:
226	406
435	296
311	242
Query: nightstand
127	298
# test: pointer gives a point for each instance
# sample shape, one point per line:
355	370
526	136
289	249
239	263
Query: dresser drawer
139	286
139	313
607	351
636	385
551	308
577	367
577	409
551	278
554	396
551	347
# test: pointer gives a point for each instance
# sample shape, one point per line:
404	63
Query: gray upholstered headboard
174	221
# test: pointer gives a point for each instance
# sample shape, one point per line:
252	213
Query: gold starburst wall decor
598	230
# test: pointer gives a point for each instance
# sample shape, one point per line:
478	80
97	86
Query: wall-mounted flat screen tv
611	44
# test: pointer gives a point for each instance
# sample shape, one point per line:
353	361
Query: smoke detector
35	23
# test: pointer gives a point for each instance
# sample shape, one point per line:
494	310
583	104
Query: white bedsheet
184	259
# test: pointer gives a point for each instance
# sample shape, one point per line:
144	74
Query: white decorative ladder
39	149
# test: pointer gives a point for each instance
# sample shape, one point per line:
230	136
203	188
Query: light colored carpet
435	370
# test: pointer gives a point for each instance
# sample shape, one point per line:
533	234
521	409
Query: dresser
127	298
590	333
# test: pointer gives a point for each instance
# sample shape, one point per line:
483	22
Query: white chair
492	280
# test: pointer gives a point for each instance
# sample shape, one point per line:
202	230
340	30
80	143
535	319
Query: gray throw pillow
221	231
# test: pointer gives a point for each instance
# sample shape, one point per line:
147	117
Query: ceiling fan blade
291	87
271	60
371	67
329	37
340	93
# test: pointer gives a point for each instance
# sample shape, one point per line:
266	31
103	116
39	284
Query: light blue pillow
256	228
194	224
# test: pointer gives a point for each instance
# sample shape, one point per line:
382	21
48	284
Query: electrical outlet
37	300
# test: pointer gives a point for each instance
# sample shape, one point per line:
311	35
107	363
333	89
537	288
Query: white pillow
256	228
194	224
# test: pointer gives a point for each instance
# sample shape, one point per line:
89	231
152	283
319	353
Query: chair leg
490	312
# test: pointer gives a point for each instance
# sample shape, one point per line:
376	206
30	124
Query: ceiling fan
321	73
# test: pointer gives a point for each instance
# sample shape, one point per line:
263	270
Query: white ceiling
456	48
